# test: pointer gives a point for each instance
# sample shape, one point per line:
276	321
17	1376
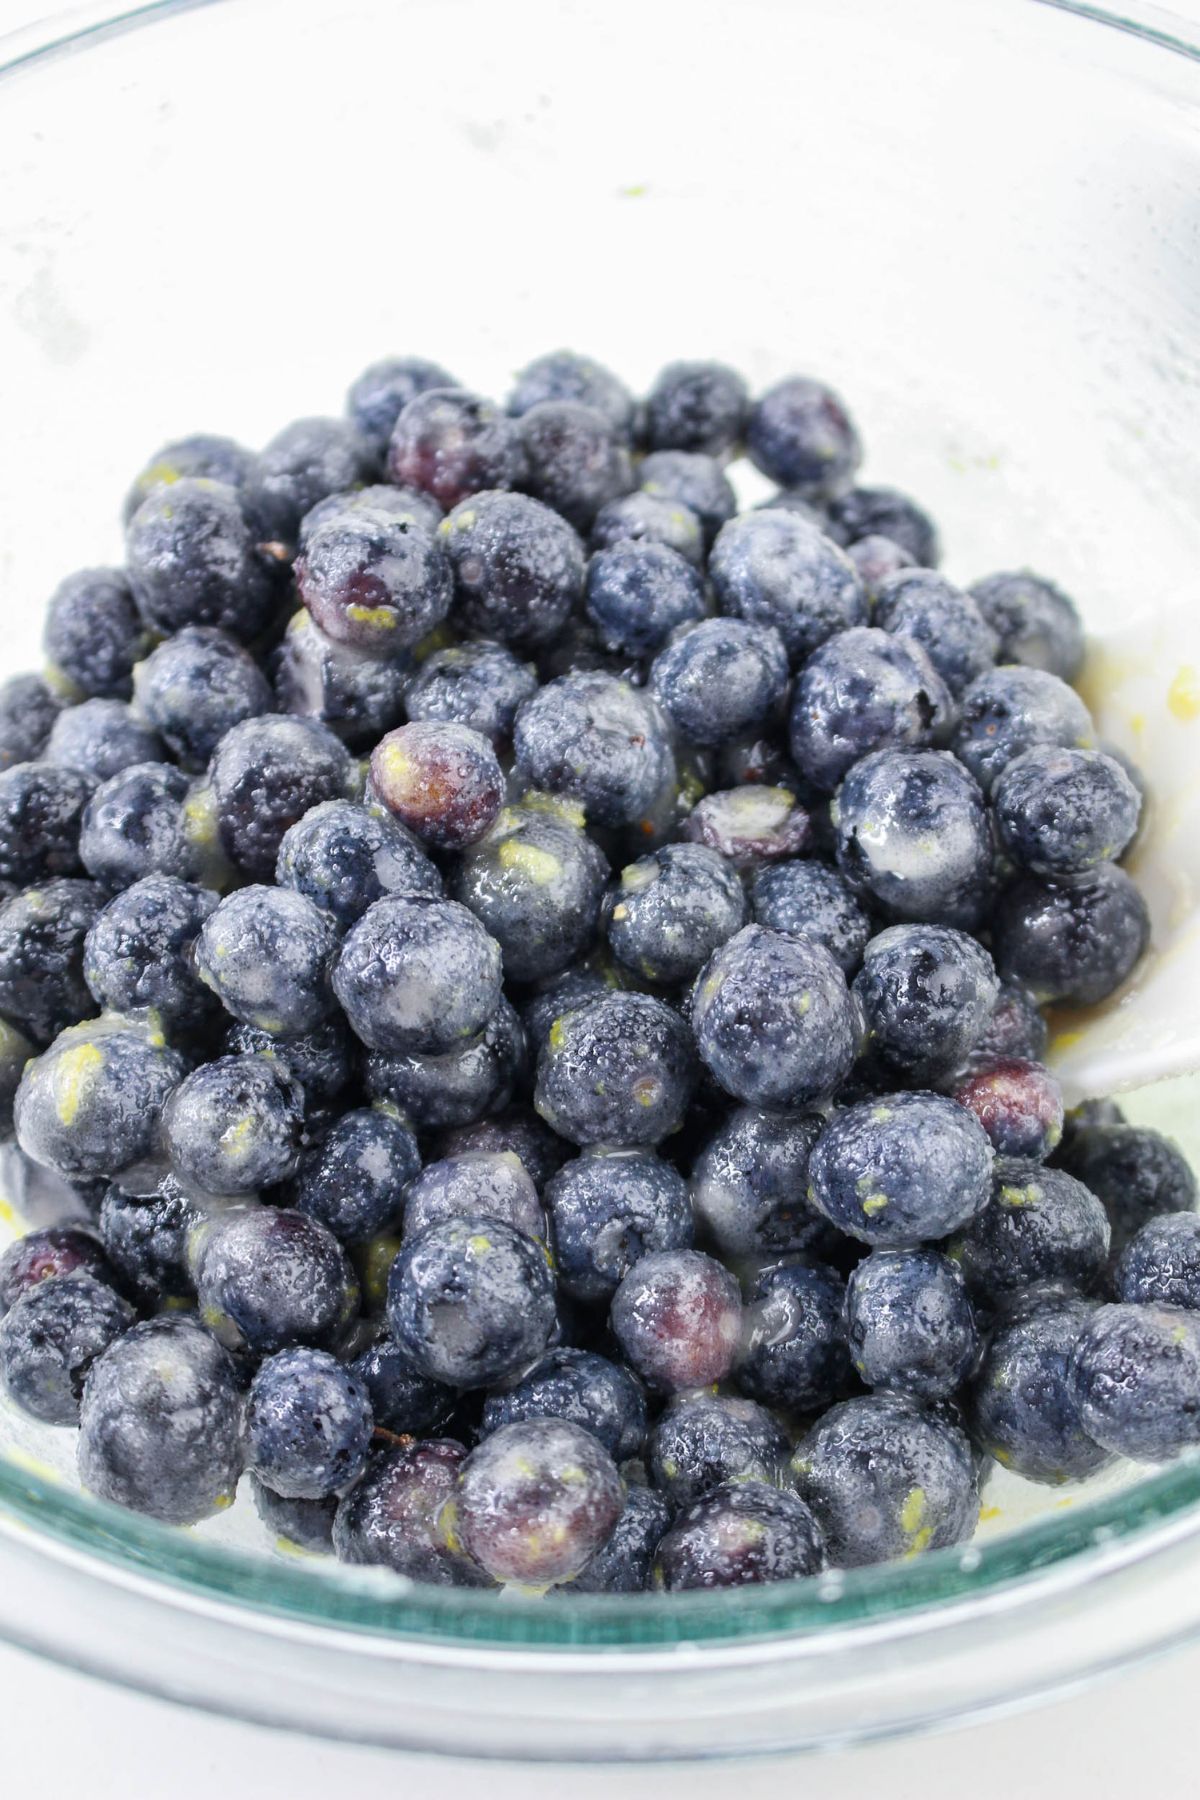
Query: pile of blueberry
528	979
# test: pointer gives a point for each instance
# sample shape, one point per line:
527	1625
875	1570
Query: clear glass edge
126	1543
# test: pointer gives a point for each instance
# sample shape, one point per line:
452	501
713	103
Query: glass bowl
982	227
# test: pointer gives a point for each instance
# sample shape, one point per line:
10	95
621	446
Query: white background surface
64	1733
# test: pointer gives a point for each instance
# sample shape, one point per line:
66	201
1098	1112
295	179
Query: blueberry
353	1181
91	1104
696	406
295	1524
321	1060
43	932
623	1562
192	560
677	1316
748	1184
41	815
1161	1263
793	1351
692	480
774	1021
800	434
672	910
392	1516
479	684
266	773
195	687
587	1390
565	992
884	512
774	568
146	1240
535	1501
204	456
1134	1375
380	394
476	1184
1035	622
304	462
607	1209
565	375
442	781
354	693
518	567
536	882
137	953
1019	1104
1075	939
161	1423
862	691
751	825
1022	1407
638	593
343	857
926	608
597	740
374	582
471	1301
28	710
806	506
451	443
618	1071
265	953
1009	710
308	1425
576	463
927	994
901	1169
1016	1029
1137	1174
43	1255
886	1479
876	558
810	900
234	1126
913	834
401	1400
701	1441
417	975
459	1087
721	679
140	823
739	1534
267	1278
391	507
518	1130
1042	1226
644	518
93	634
1060	812
910	1323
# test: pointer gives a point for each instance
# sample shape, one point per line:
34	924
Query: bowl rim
894	1598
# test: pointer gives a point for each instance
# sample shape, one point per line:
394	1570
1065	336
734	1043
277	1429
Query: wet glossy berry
913	834
401	1400
751	825
161	1423
910	1323
1035	622
721	679
737	1535
638	593
343	857
192	559
811	900
393	1515
138	824
536	882
295	1524
927	994
478	684
677	1316
440	780
93	633
518	567
265	953
748	1184
576	463
1076	938
535	1501
28	710
774	1021
1019	1104
42	810
697	406
774	568
379	395
1022	1408
672	910
1060	812
372	582
43	932
1016	1029
195	687
860	691
41	1255
918	605
91	1104
471	1301
234	1126
476	1184
266	774
643	518
703	1440
1042	1226
203	455
450	443
137	954
1135	1377
304	462
886	1479
322	1060
1010	710
101	737
146	1240
354	1179
623	1562
1161	1263
883	511
458	1087
1137	1174
520	1131
800	434
417	974
618	1071
267	1278
587	1390
308	1424
388	506
565	375
355	693
608	1208
792	1354
901	1170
